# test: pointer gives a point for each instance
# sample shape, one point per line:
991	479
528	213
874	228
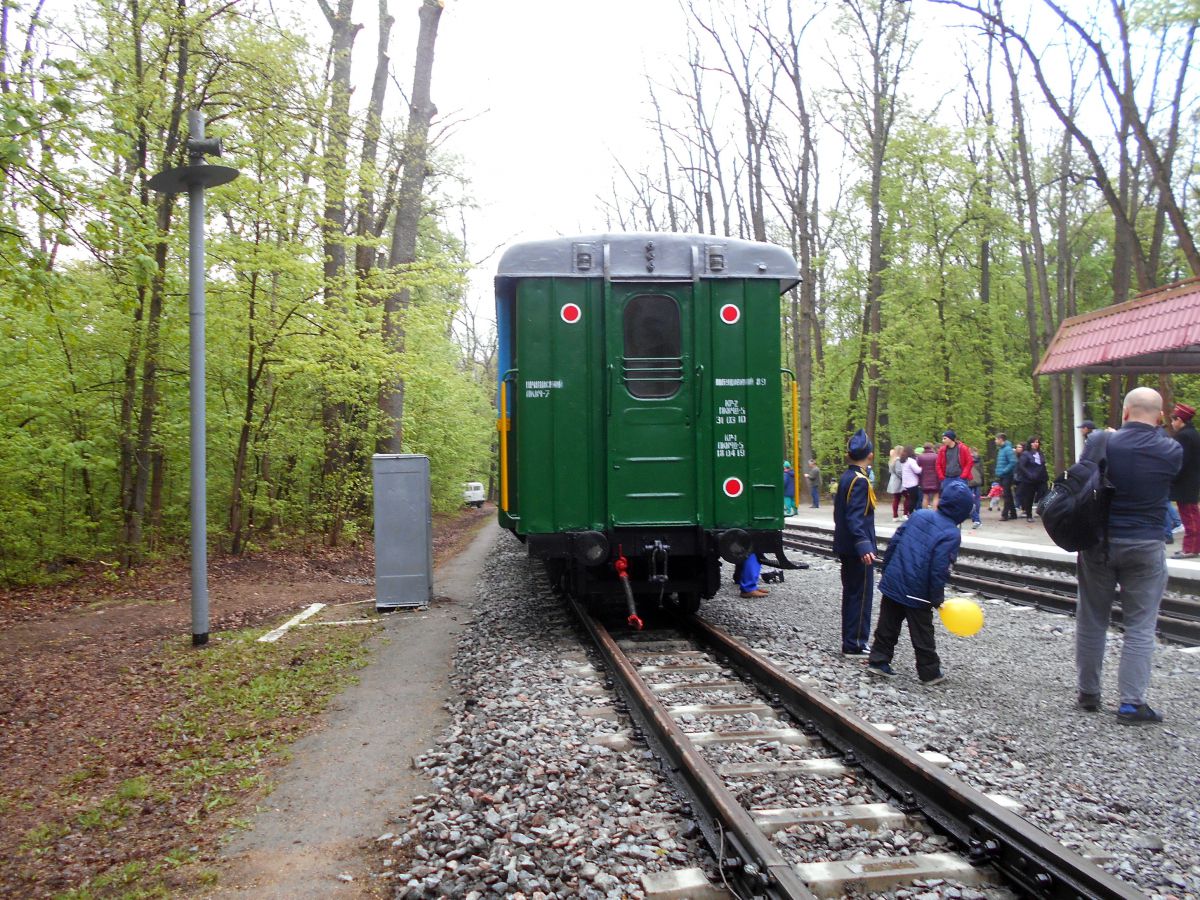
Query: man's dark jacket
1142	462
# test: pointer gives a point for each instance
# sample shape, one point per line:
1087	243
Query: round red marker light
733	487
571	313
730	314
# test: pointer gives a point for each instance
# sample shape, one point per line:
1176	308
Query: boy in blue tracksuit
916	568
854	543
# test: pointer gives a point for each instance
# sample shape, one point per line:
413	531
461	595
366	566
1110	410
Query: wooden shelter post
1077	409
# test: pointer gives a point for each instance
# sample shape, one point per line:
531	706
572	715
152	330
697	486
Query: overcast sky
555	91
547	93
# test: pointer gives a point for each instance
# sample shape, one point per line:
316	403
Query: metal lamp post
194	178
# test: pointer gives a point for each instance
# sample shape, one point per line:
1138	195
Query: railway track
760	754
1178	619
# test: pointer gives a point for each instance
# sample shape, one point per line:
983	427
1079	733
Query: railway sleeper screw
732	863
908	803
1043	880
982	851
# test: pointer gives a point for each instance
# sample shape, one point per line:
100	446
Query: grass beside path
226	713
124	754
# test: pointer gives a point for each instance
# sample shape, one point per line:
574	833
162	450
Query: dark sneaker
854	652
883	670
1138	714
936	679
1090	702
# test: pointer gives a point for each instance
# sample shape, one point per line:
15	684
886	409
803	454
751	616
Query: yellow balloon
961	616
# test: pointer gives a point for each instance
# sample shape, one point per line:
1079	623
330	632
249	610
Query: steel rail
1182	629
1172	606
1033	860
755	861
1175	582
1178	620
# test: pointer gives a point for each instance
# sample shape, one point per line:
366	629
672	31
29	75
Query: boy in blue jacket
916	568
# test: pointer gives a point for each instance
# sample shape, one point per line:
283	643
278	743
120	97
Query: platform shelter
1157	332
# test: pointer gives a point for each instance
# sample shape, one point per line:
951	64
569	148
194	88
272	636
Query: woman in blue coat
916	568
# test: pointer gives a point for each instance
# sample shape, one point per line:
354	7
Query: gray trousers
1140	568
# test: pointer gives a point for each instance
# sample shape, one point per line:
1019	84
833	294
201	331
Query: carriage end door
651	405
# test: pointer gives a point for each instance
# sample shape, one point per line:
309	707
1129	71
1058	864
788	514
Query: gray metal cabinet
403	531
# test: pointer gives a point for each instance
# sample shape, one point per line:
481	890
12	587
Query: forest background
942	229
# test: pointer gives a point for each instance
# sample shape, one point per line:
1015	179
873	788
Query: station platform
1016	538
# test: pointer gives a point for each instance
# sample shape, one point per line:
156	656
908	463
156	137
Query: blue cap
786	464
949	432
860	445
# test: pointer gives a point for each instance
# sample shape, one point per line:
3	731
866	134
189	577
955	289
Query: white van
473	494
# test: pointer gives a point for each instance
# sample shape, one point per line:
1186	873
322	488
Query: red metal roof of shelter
1158	331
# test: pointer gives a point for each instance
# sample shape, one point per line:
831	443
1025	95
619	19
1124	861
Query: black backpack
1075	510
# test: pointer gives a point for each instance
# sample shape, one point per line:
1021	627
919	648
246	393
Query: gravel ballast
526	805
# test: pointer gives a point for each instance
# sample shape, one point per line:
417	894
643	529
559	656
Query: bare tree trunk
408	211
1160	170
796	174
337	135
1031	312
883	27
1171	145
668	186
1158	165
336	132
241	457
987	110
1064	444
1028	189
138	447
368	176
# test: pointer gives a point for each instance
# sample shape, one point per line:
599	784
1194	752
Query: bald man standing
1142	462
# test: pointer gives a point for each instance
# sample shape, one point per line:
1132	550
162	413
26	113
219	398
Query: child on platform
995	496
916	568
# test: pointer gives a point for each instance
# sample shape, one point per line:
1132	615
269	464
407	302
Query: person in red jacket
1185	489
953	459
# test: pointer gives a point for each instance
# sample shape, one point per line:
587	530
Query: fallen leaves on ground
119	762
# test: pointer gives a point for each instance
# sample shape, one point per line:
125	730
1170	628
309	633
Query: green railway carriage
640	407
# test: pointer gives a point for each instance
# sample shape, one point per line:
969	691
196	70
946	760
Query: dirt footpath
347	779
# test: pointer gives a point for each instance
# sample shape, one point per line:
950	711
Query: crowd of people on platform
1149	466
1022	479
